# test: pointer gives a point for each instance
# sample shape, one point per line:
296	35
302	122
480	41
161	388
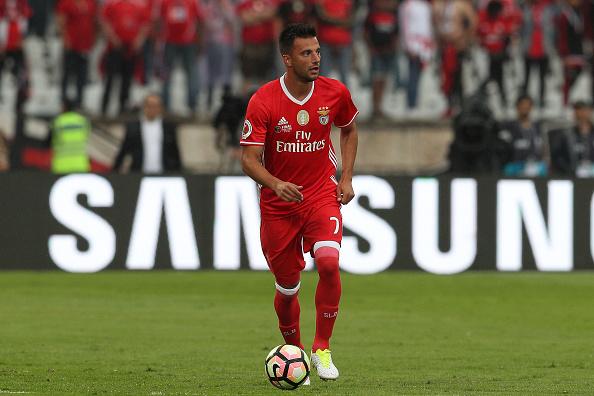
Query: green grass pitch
207	333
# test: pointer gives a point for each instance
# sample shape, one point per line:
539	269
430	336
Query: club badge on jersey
324	112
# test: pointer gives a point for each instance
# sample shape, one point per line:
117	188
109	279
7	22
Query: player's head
300	50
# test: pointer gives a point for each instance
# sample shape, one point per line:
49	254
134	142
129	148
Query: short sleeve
256	123
347	110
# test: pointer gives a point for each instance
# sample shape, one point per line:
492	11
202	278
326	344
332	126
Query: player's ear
287	60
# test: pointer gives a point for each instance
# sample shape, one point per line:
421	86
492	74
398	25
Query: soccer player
286	149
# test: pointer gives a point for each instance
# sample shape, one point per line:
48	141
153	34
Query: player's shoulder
267	91
330	85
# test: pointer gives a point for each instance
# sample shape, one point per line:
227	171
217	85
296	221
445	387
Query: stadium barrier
90	222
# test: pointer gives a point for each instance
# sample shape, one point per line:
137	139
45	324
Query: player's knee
288	289
326	256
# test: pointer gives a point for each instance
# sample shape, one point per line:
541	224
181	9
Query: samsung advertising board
90	222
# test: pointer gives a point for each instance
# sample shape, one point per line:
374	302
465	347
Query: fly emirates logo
302	144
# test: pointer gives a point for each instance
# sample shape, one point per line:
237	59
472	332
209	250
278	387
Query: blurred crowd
143	40
379	45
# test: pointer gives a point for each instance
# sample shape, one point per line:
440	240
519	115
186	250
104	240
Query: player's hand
345	192
288	192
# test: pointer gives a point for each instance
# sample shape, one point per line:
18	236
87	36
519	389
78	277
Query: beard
304	75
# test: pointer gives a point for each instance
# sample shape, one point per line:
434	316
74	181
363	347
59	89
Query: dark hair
580	104
524	97
494	8
151	95
68	105
293	31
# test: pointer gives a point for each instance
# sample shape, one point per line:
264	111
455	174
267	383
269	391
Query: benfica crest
324	112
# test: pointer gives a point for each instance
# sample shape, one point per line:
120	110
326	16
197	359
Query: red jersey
381	27
15	14
536	48
340	10
79	18
126	17
180	19
260	33
296	139
494	33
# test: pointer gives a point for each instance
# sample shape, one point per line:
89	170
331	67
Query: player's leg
322	236
286	305
326	255
282	248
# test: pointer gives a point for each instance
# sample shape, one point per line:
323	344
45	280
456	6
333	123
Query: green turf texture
207	333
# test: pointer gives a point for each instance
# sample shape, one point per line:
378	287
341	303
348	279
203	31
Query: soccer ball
287	366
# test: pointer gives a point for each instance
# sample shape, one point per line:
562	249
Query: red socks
327	296
287	310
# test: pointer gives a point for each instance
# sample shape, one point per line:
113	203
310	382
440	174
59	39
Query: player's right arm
251	162
253	140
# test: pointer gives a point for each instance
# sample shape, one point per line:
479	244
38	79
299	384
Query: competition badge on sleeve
247	129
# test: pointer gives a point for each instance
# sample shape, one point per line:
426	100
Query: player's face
304	58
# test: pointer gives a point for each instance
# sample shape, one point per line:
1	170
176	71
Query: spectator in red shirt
296	11
77	24
381	34
180	29
258	35
570	37
537	39
220	20
14	17
335	24
495	30
126	24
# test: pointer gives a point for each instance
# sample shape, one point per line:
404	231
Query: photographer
572	149
476	147
525	142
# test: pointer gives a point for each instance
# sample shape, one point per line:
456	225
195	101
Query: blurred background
476	152
490	86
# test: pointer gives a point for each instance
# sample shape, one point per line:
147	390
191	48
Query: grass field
207	333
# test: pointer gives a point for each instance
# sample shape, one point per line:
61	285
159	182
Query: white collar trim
291	97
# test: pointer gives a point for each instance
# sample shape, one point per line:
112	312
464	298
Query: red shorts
282	239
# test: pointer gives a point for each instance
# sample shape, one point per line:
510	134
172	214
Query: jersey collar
291	97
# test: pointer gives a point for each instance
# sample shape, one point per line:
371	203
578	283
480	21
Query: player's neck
297	88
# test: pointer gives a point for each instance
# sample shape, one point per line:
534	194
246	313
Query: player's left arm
348	148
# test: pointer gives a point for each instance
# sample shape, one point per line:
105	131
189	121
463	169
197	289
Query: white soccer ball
287	366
